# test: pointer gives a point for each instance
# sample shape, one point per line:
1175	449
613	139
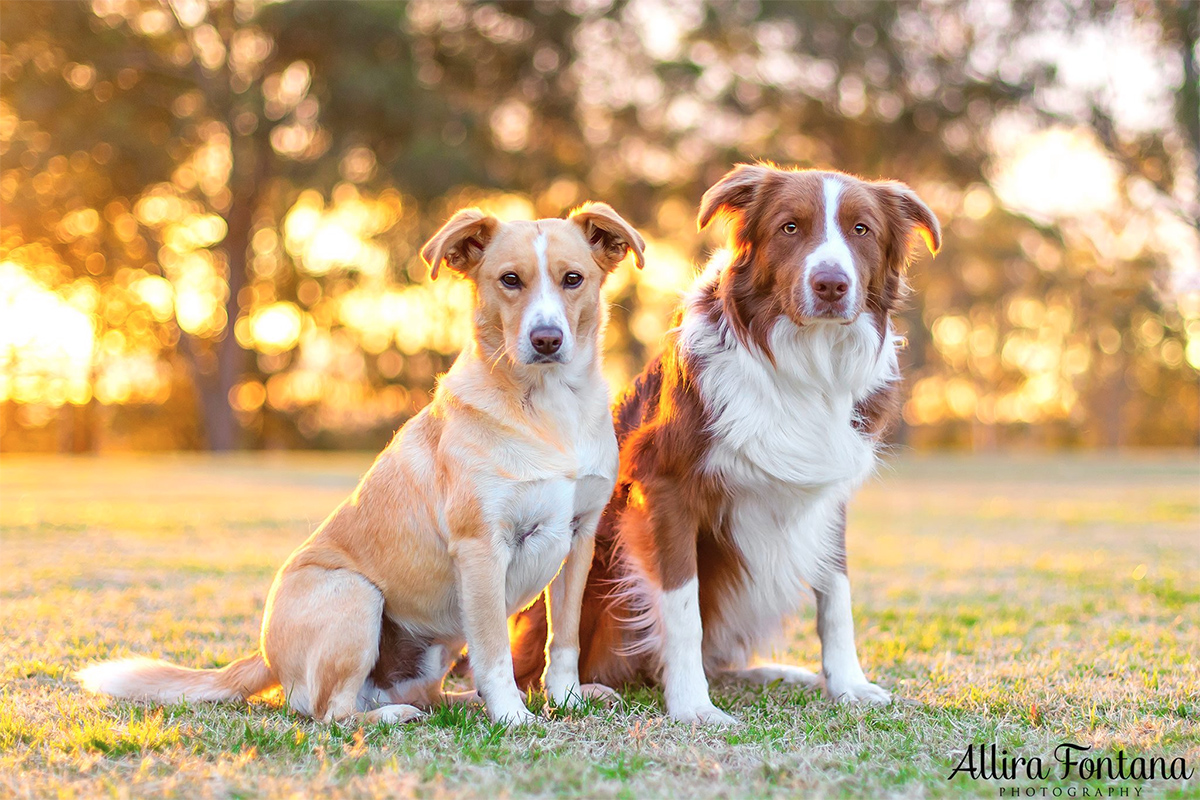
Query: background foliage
211	211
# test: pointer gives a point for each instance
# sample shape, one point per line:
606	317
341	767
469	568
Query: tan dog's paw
705	715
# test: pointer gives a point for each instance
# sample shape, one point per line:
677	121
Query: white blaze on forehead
833	250
540	243
546	308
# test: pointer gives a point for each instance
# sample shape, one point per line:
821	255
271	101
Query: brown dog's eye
572	279
861	230
511	279
789	228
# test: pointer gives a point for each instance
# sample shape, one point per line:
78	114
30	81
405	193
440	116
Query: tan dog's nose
546	340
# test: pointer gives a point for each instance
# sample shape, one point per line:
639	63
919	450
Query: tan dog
467	514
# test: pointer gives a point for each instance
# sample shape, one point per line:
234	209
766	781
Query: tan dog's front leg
561	677
481	566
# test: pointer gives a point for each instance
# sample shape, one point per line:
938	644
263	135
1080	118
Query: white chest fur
538	537
785	448
541	515
790	424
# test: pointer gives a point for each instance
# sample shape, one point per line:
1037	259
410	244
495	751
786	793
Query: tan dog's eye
861	230
789	228
511	280
572	280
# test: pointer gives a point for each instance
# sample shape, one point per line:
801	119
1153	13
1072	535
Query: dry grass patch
1022	601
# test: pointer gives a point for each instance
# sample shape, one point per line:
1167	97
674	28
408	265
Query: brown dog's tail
150	679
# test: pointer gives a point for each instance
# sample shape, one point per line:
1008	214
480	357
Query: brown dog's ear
611	237
908	214
734	192
461	241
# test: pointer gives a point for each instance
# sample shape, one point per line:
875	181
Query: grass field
1024	601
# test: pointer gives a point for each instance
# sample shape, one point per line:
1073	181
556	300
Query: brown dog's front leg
844	678
481	564
662	535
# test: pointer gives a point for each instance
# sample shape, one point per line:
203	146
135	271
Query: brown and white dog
743	442
467	514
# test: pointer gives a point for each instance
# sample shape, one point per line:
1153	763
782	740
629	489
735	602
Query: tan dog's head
818	246
537	284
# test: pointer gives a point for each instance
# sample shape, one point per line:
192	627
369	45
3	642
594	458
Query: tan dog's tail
150	679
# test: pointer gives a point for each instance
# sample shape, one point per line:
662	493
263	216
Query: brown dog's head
815	246
537	284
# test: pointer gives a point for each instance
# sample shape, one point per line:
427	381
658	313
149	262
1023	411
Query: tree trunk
221	425
249	154
76	429
1108	427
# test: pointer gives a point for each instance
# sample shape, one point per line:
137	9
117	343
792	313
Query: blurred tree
1064	321
278	165
147	105
192	113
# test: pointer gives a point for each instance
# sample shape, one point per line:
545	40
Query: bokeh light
208	212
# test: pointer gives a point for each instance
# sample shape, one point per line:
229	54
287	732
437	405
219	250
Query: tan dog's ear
734	192
460	242
611	237
908	214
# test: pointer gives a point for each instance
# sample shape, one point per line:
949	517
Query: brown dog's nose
830	283
546	341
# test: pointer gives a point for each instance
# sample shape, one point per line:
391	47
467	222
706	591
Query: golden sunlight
46	343
1055	173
